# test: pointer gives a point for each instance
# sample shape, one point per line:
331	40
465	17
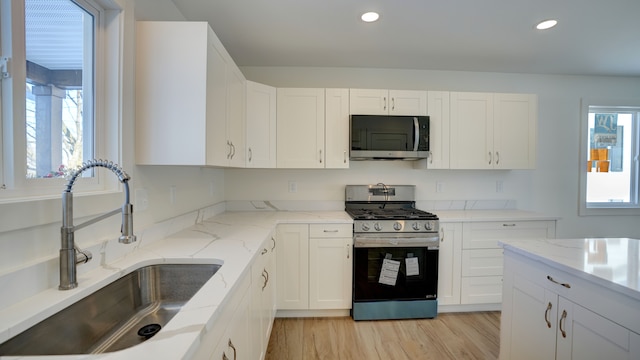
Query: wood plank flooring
448	336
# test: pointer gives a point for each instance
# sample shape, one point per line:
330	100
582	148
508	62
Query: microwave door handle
416	133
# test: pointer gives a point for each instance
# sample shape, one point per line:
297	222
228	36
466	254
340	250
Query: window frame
586	209
107	107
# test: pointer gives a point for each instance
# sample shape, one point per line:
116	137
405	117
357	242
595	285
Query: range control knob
416	226
365	227
377	226
397	226
428	225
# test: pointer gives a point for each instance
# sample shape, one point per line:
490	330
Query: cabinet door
293	267
236	115
583	334
529	321
369	101
269	293
217	149
300	128
482	262
449	263
330	273
514	130
257	320
337	142
438	111
407	102
235	344
261	126
471	131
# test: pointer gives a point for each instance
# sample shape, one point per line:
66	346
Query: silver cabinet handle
430	156
385	103
393	103
497	158
562	319
331	231
233	149
320	156
546	314
229	153
274	243
557	282
264	251
250	154
490	157
264	277
224	356
509	225
441	234
348	251
235	353
344	156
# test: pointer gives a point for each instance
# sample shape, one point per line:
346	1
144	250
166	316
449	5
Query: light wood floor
448	336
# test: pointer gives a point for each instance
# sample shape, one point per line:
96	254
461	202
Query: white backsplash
21	282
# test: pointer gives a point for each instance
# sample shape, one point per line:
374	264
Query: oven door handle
432	242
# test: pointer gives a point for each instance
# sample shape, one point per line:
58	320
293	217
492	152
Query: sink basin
122	314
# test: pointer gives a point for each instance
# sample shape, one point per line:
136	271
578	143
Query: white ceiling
593	37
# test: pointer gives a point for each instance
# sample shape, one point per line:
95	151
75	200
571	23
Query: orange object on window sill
603	166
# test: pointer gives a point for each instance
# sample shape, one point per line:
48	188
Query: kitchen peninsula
571	299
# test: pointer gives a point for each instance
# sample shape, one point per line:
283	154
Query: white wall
551	188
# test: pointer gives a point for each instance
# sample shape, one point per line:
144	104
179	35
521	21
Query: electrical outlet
439	187
293	186
499	186
141	199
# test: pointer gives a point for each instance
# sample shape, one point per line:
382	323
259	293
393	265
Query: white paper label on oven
389	272
413	268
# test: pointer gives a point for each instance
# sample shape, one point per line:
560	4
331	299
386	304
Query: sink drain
148	331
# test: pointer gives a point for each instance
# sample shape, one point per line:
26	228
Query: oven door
395	273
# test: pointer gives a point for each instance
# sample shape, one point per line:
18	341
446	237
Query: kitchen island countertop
613	263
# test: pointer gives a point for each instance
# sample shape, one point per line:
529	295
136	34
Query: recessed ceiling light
370	16
547	24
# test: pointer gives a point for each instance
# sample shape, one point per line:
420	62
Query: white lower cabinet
263	290
542	319
449	263
314	266
482	258
235	344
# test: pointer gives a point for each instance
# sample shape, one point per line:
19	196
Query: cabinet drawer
481	290
485	235
482	262
330	230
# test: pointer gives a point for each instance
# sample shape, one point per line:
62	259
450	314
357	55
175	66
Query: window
609	178
57	101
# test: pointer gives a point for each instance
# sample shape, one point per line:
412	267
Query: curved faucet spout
70	255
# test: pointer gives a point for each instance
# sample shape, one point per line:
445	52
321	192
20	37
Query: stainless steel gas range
395	263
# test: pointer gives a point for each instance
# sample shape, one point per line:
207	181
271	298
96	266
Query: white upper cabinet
189	97
492	131
300	128
261	126
387	102
337	128
515	130
312	128
438	111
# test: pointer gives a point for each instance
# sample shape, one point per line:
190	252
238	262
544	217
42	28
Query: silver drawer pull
546	315
509	225
557	282
331	231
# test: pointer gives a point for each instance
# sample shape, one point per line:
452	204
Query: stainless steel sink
122	314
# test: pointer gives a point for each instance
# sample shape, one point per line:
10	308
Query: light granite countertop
613	263
231	239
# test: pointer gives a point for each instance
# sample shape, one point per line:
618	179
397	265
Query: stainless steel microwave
382	137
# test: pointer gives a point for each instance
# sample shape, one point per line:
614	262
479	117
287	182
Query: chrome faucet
70	254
